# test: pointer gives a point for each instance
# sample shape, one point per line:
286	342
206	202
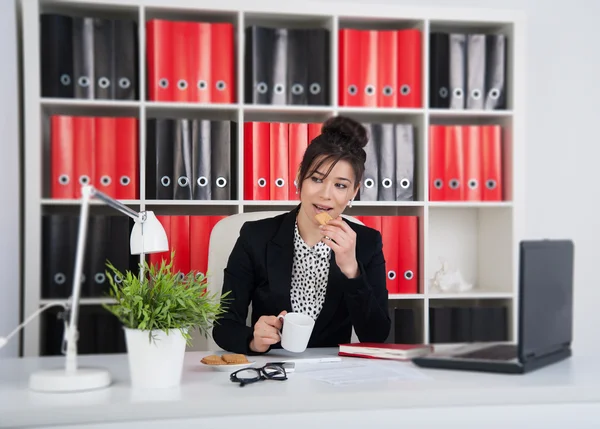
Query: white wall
563	145
9	171
563	138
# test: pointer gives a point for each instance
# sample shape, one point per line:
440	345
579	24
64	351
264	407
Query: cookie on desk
235	359
213	360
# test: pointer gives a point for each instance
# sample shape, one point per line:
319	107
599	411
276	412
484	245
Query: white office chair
222	239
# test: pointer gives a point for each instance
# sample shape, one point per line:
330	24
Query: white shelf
480	236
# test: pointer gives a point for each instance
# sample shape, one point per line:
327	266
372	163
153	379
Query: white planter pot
156	363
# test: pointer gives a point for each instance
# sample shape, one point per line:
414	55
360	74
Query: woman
335	273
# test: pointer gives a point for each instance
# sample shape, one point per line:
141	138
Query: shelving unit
481	238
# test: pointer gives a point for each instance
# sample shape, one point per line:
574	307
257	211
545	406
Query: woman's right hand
266	333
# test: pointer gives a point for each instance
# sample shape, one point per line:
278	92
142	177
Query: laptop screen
546	296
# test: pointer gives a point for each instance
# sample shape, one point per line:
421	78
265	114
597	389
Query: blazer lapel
280	258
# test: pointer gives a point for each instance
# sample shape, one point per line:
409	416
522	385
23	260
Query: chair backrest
222	239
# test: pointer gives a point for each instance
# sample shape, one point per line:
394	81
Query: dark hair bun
349	130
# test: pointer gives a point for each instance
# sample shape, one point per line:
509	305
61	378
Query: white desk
550	398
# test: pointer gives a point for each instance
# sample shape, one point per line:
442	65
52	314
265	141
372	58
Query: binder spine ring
315	88
105	180
83	81
125	180
438	183
297	89
388	90
279	88
100	278
386	183
63	179
494	93
202	181
163	82
391	274
279	182
262	88
476	94
408	275
221	182
370	89
84	180
182	84
104	82
118	278
473	184
443	92
165	181
405	183
454	183
490	184
405	89
262	182
458	92
352	90
65	79
183	181
202	84
369	183
124	83
221	85
59	278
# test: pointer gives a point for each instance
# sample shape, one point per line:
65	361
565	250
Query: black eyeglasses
271	371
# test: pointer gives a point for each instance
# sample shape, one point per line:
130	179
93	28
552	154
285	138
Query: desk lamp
147	236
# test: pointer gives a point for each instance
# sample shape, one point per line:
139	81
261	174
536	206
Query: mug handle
282	318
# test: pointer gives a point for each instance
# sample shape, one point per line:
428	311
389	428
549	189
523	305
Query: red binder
410	68
127	160
105	152
371	221
472	162
368	85
83	167
437	185
180	242
387	68
157	259
159	42
257	146
349	42
390	228
298	141
200	228
278	161
222	60
182	60
314	131
61	152
453	164
491	152
199	52
408	255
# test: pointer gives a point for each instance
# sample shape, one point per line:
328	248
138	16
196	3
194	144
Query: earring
350	203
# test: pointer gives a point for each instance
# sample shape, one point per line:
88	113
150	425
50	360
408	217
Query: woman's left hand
343	244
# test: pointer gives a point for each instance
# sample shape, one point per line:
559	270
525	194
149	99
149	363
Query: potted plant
159	309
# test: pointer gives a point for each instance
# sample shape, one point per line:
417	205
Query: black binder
279	66
159	159
259	64
59	240
495	80
83	57
182	158
201	168
370	183
97	251
125	59
56	43
439	72
297	66
222	134
318	66
103	58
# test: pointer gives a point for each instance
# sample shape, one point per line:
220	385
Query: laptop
545	317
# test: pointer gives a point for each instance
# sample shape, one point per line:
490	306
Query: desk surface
208	393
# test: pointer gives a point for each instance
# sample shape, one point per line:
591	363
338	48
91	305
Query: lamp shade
148	236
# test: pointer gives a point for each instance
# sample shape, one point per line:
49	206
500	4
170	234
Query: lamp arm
117	205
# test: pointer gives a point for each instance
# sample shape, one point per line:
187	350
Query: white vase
156	362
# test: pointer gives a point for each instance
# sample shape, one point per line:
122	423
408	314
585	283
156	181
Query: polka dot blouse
310	271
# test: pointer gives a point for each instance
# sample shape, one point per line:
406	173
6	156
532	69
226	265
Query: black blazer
259	271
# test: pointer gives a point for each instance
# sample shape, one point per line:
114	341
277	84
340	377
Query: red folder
314	131
387	68
84	153
368	84
223	61
410	68
349	42
385	351
491	164
199	50
159	43
453	164
127	160
62	151
472	162
408	255
182	57
180	243
437	185
278	161
298	141
105	155
157	259
257	147
200	228
390	228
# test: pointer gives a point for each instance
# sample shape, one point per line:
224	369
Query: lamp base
58	380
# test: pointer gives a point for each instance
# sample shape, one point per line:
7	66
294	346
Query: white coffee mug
296	331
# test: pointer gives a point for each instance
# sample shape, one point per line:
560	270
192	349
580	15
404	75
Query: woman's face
331	193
